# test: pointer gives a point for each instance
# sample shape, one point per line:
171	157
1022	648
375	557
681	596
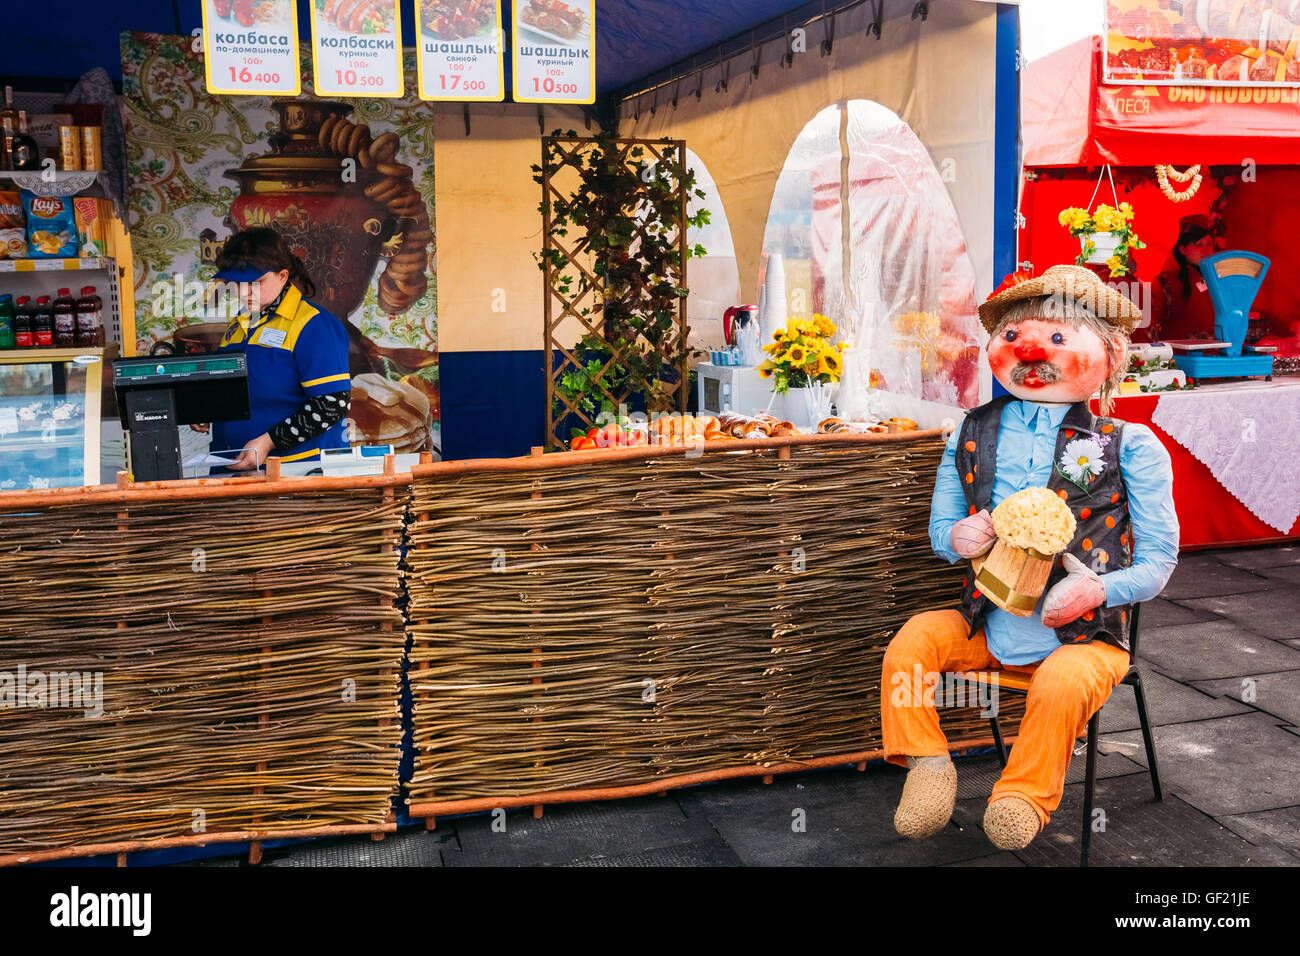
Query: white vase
852	399
807	407
1106	243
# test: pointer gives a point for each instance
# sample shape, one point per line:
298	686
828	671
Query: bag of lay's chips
51	226
13	232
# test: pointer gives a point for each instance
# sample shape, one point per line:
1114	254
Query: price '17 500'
247	76
454	82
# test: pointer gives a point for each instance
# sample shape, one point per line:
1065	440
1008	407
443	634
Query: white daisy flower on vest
1081	460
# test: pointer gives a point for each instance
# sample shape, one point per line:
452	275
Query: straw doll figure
1055	340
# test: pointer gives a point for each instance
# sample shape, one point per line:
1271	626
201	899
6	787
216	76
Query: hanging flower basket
1104	245
1105	236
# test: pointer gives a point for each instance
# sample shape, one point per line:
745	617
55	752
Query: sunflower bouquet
1113	223
800	356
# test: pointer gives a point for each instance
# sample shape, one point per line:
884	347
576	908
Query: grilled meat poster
554	51
251	47
460	44
1203	42
357	45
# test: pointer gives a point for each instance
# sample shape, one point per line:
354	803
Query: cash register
157	394
1232	279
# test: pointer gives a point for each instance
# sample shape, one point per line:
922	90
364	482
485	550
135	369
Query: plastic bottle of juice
24	334
90	323
43	323
65	320
7	314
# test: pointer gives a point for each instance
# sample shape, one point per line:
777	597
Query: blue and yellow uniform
298	352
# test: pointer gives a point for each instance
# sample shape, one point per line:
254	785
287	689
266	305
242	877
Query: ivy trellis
622	276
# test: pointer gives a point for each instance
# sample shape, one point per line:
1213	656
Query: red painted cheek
1001	361
1084	368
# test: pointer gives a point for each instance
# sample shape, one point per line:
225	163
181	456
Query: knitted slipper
1011	823
929	795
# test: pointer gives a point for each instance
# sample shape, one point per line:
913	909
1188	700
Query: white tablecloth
1248	436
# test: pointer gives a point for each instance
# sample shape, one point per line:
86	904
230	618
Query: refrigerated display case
49	417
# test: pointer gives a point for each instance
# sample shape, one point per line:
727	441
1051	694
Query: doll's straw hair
1058	308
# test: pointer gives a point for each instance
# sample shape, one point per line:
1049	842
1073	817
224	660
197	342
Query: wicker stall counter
218	661
609	623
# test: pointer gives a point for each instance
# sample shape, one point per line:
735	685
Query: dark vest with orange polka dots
1103	539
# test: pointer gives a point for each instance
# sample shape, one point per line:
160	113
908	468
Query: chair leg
1140	697
997	740
1089	782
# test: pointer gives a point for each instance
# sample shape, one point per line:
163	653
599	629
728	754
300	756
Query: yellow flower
1074	218
823	326
765	370
1126	210
829	363
1117	266
797	355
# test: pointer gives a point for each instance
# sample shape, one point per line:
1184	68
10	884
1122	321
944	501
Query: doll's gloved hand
1078	592
973	536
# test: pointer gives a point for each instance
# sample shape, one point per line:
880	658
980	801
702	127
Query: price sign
460	48
251	48
554	51
357	47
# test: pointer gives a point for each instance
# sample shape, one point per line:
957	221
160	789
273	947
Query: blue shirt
1026	447
298	352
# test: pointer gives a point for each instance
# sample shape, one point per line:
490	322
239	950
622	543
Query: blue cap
241	272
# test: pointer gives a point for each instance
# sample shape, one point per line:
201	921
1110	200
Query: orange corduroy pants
1066	688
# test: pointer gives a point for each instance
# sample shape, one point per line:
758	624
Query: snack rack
111	274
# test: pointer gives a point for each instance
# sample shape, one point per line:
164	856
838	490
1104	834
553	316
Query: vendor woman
1183	306
299	389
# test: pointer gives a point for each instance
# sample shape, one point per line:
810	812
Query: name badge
274	338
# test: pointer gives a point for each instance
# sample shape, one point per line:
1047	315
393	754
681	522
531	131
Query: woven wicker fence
249	654
610	619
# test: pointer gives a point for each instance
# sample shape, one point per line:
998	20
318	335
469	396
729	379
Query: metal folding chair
1019	683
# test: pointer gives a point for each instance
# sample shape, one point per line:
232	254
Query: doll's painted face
1044	360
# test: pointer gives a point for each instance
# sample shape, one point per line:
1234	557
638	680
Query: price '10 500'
455	82
548	85
247	76
350	78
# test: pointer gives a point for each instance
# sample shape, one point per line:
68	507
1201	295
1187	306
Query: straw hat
1073	282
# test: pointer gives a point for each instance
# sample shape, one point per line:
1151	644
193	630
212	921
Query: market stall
244	637
1089	141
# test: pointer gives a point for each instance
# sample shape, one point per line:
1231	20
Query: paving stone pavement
1220	654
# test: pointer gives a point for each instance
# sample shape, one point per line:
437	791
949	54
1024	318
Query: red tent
1070	119
1072	124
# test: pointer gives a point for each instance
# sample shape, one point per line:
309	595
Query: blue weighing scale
1233	279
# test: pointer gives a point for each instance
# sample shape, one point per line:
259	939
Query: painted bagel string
404	277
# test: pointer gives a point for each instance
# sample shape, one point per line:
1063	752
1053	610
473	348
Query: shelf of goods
731	623
49	417
36	277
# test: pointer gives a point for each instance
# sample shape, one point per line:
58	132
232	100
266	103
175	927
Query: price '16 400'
248	76
455	82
